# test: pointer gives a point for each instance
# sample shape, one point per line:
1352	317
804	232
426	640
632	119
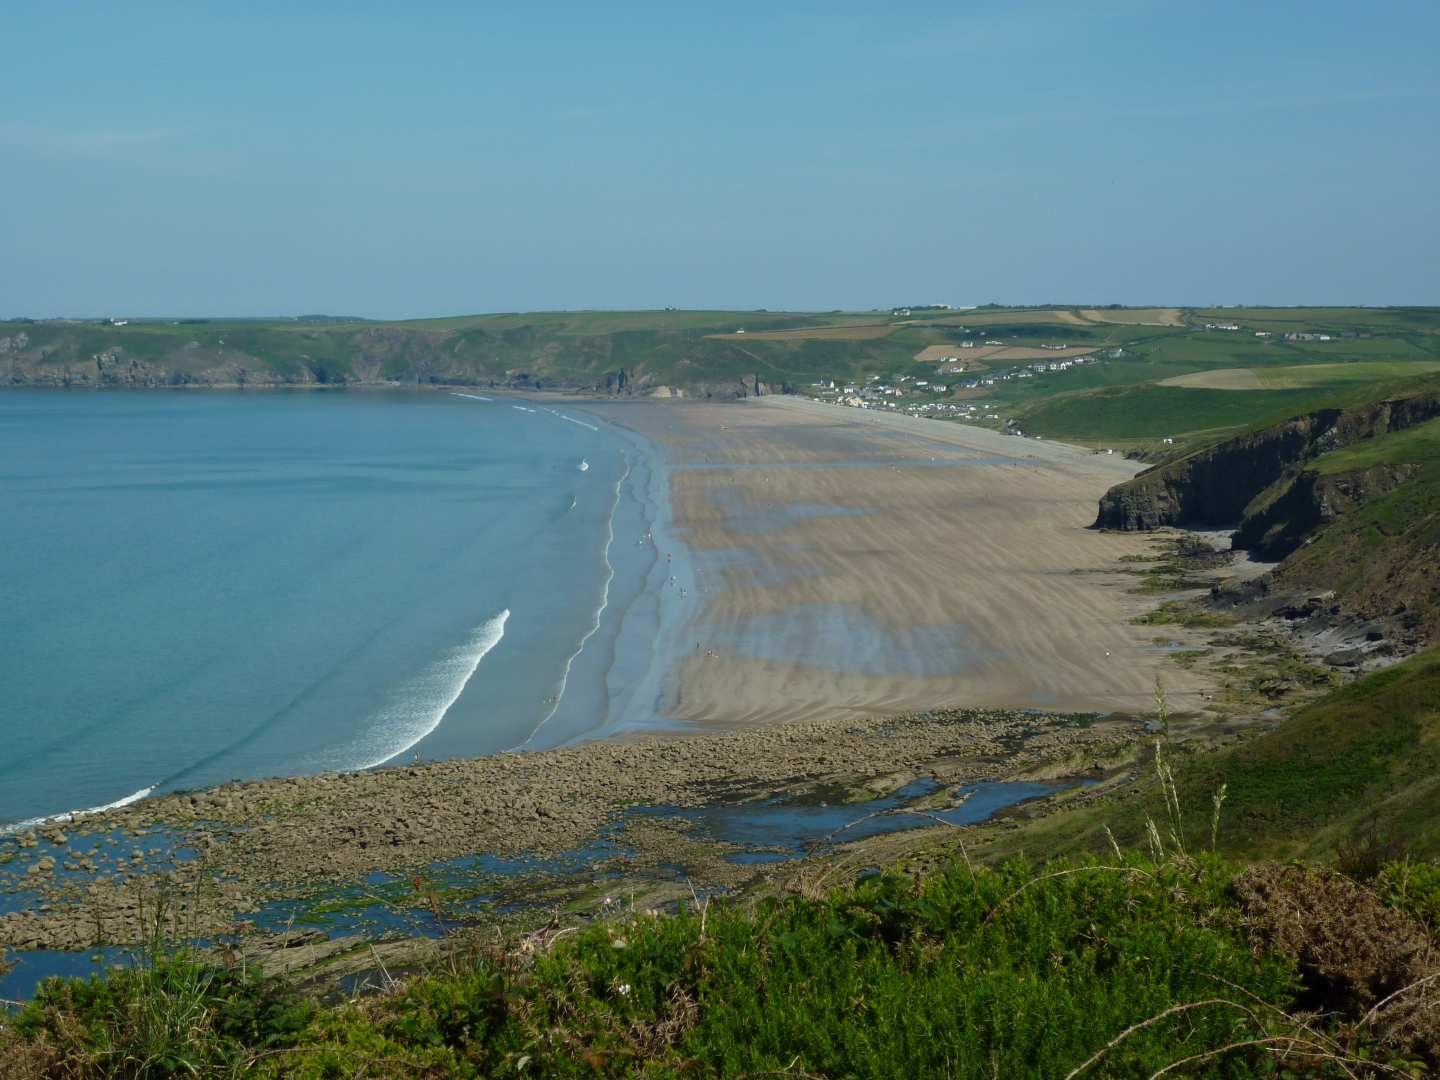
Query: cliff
1260	480
1346	501
1280	519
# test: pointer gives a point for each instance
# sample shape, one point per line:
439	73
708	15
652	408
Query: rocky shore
226	851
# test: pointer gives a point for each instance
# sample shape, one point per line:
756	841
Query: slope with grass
1382	557
1133	967
1357	767
1235	479
1348	498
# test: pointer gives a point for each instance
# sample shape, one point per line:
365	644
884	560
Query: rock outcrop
1259	479
1280	518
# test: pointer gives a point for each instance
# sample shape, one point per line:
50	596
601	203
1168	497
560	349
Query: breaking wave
71	815
421	703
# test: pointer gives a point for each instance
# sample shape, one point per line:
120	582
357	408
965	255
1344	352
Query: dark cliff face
1281	517
1209	487
1259	479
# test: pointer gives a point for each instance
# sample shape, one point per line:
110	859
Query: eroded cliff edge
1260	479
1345	501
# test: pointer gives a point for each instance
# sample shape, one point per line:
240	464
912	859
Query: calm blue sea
197	587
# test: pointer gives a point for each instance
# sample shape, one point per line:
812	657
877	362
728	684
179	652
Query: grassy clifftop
1348	497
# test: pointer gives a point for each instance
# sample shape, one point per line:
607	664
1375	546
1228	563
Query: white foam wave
472	397
572	419
599	611
71	815
421	704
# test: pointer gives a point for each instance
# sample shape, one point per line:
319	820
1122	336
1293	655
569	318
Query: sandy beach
853	562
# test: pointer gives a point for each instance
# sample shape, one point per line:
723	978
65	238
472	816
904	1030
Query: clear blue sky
414	159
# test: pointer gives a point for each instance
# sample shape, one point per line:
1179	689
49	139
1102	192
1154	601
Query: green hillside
1361	762
706	352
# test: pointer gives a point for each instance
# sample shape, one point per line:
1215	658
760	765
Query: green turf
1364	758
1417	445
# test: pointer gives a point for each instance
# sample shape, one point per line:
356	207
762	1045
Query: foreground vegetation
1356	770
1165	951
1128	967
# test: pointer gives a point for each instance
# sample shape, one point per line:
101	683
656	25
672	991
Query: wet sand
866	564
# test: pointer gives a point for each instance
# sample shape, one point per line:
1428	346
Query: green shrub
1413	887
168	1018
1126	967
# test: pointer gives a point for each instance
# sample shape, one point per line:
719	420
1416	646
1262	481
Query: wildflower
624	989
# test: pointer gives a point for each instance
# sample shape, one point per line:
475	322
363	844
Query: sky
406	160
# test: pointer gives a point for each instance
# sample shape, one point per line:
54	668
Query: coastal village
956	388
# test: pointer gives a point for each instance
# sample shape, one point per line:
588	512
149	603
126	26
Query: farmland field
1375	320
1219	379
1301	376
1135	316
856	332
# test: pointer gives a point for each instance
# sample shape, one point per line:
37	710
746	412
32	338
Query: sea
198	587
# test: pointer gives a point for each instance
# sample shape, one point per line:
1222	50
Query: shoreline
769	506
392	720
739	592
235	851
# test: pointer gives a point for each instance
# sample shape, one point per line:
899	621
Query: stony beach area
93	879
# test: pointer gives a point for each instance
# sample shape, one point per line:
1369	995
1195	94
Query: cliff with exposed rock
1260	480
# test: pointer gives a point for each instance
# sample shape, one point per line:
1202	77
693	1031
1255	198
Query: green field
1117	415
1419	445
1114	399
1117	401
1314	375
1378	320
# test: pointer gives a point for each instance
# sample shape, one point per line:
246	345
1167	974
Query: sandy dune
878	564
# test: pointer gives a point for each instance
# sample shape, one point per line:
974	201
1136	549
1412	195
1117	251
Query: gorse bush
172	1017
1120	968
